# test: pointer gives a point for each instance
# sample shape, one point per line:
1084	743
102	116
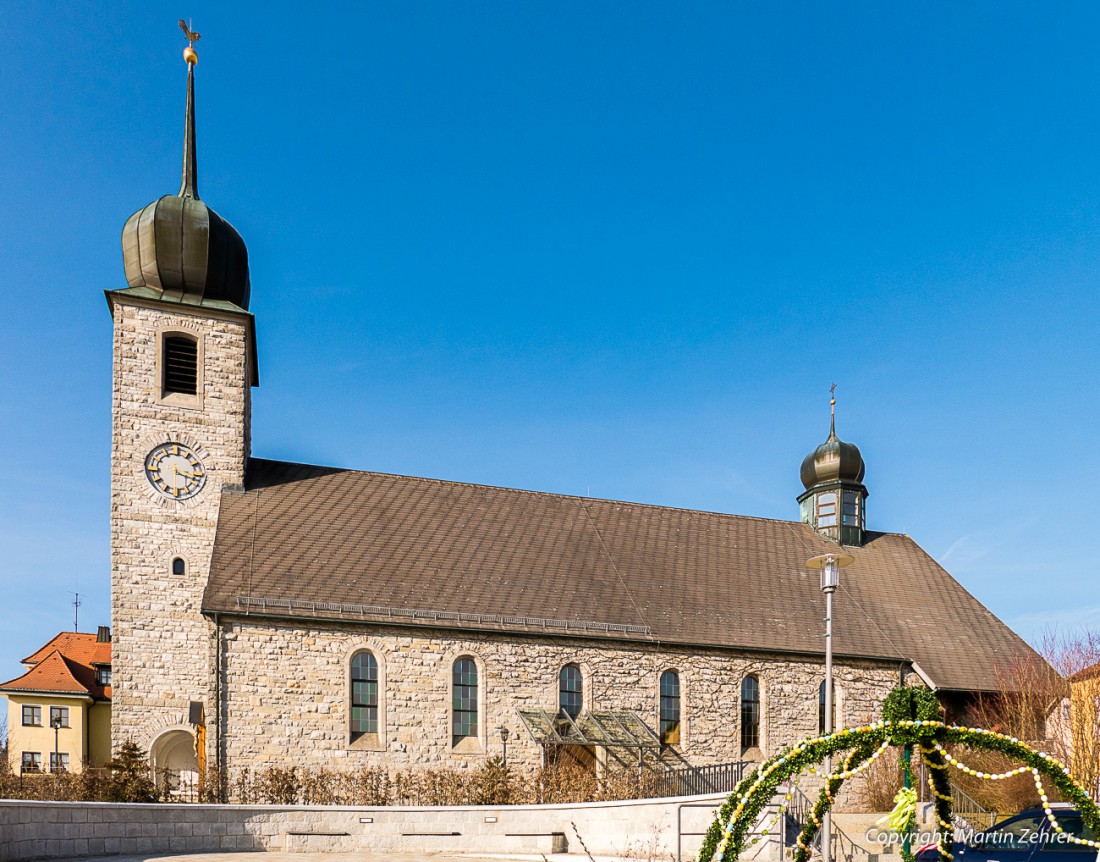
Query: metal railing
798	813
967	809
696	780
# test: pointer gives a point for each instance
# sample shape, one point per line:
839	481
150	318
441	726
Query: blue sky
618	248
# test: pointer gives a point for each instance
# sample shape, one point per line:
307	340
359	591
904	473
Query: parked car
1026	837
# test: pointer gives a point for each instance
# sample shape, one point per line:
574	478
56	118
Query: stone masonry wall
160	639
286	689
651	828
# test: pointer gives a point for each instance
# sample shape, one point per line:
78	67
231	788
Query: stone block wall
287	694
657	828
160	640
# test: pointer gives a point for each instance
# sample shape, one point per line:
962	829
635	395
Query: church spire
189	186
179	248
835	497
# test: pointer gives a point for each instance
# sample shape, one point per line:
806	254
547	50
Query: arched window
670	708
364	695
750	712
181	364
179	567
570	690
464	701
821	708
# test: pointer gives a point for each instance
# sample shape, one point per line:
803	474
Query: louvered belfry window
181	357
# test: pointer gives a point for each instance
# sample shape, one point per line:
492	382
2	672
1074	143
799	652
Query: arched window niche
179	566
365	701
180	368
669	716
750	712
465	706
570	691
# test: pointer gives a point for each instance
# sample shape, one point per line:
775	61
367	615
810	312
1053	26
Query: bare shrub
880	782
277	786
1051	700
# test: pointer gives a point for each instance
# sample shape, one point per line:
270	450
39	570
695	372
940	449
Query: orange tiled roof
81	647
61	675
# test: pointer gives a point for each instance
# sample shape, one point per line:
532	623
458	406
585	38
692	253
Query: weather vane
192	37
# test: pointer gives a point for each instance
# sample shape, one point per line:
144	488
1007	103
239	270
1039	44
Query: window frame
471	742
670	730
353	734
578	692
751	729
36	761
103	675
63	711
36	713
59	762
173	398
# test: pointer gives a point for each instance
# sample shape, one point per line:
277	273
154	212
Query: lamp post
830	565
55	723
504	734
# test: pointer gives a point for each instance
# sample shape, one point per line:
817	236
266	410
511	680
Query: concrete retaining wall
641	828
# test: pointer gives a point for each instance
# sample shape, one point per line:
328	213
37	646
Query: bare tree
1050	699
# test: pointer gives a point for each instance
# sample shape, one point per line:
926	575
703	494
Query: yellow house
59	711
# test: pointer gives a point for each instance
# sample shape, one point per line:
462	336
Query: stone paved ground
277	856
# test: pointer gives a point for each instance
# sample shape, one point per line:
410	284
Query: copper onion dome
180	247
832	461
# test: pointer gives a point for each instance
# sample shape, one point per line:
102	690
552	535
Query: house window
464	701
821	708
32	716
364	695
570	690
179	567
181	364
32	761
850	510
103	675
59	761
750	712
59	716
670	708
826	509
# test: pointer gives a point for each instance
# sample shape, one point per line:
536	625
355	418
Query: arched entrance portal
175	766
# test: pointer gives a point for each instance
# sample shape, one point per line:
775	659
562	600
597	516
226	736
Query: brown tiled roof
82	647
341	544
57	674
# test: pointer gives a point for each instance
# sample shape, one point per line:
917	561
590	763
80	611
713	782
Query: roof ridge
556	494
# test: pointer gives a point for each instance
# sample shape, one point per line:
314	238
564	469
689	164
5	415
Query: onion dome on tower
177	247
834	502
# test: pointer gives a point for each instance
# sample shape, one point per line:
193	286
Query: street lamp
55	723
504	734
830	565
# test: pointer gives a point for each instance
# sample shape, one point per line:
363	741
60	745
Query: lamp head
830	565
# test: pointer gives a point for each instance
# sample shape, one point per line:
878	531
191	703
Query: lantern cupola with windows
834	502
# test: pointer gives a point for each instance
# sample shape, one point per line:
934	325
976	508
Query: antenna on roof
76	612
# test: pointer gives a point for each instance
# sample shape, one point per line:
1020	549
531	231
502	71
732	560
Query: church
267	613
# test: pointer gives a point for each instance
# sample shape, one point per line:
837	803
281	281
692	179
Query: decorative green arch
910	721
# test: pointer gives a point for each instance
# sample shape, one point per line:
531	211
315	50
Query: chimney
103	636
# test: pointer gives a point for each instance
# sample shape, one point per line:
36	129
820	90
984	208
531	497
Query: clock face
175	471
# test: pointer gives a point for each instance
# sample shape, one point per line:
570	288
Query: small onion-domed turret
180	247
834	502
832	461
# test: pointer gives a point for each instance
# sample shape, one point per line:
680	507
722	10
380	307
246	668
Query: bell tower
184	366
834	502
